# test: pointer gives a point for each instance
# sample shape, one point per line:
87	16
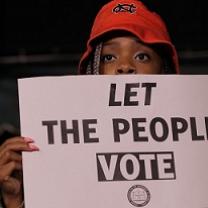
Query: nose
126	71
126	68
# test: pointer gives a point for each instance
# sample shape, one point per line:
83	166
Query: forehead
129	41
120	39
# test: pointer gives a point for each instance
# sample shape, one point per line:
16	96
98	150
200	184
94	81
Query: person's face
127	55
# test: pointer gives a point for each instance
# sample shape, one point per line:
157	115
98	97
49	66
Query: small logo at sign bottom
138	195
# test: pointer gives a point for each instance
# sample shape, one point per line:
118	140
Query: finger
10	156
7	169
18	147
15	140
11	186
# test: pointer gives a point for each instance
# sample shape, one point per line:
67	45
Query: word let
130	92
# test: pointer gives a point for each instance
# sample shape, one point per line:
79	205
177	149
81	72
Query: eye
143	57
107	58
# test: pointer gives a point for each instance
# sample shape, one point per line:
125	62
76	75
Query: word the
74	131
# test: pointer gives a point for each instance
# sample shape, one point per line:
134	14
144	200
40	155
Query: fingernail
33	147
28	139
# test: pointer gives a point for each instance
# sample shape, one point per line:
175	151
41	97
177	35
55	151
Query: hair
93	66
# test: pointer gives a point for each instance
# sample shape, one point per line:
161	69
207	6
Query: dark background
42	37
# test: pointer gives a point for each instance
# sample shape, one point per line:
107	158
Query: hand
11	169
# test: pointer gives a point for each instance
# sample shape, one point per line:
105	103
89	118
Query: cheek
157	67
107	69
151	68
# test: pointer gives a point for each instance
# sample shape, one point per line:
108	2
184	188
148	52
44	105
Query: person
126	38
148	34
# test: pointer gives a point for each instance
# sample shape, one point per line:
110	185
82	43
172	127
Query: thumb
11	186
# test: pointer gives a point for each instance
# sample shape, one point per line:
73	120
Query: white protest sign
116	141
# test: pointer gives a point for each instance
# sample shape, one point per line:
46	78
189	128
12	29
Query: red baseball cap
134	17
